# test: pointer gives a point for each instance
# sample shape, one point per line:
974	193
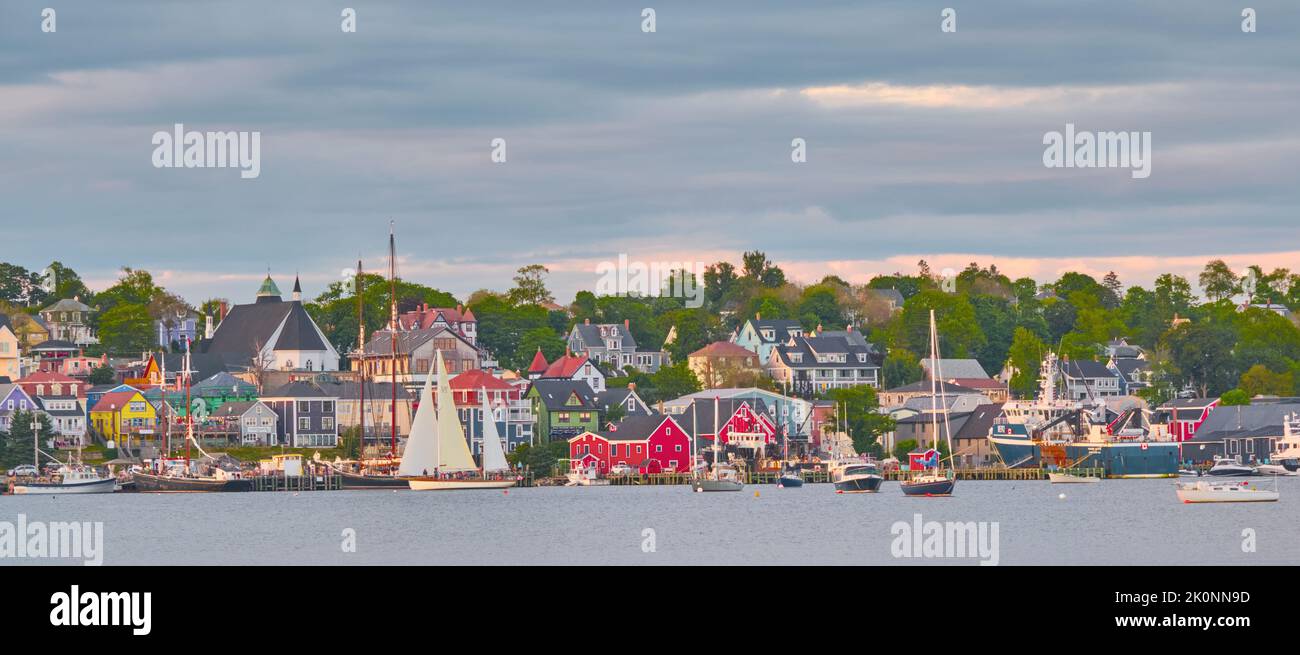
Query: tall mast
716	437
392	293
189	407
361	376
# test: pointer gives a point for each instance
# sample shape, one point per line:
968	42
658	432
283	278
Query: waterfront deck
297	483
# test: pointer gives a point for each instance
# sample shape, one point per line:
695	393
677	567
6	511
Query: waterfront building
306	415
271	333
563	409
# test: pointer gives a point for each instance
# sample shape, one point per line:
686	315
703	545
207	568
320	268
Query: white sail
421	454
453	450
494	456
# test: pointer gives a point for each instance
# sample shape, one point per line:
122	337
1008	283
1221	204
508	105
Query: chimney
819	328
848	328
627	324
222	316
586	321
631	386
758	316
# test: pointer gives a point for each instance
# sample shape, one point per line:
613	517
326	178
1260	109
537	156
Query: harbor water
1113	522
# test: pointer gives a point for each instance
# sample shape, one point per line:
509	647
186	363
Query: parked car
622	469
23	471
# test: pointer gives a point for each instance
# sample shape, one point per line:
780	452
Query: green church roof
268	288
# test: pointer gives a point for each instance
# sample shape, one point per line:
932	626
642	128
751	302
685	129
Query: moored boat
1229	467
71	480
859	479
720	477
1274	469
175	483
789	479
933	479
1223	492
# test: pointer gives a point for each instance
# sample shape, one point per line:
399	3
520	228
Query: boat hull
105	486
1117	459
928	487
1066	478
859	484
1231	472
717	485
1192	495
443	484
148	482
789	481
359	481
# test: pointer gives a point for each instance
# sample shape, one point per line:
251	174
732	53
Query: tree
901	367
1259	381
1218	281
550	343
1201	355
16	445
126	328
20	286
674	381
102	375
902	448
530	286
1026	357
1234	397
865	424
821	305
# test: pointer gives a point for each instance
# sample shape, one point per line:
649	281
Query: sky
670	146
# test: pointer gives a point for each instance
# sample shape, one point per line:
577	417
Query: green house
563	409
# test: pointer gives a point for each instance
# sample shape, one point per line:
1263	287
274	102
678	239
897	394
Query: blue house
761	336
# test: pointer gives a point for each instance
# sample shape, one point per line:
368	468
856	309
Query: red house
742	422
651	444
1187	414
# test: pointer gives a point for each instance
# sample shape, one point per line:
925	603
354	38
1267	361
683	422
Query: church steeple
268	291
297	289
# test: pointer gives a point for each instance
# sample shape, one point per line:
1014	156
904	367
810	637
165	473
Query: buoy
1062	496
505	491
756	494
839	491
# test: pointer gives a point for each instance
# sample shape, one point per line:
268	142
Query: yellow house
124	413
9	355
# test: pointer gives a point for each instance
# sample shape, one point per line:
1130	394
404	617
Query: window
659	448
327	407
304	423
677	448
304	406
327	423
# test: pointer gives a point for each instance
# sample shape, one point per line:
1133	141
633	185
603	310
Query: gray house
613	345
306	415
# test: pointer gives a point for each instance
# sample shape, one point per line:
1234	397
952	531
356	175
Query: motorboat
1223	492
859	479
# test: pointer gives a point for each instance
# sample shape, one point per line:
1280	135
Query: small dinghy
1224	492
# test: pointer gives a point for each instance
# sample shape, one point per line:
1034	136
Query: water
1125	522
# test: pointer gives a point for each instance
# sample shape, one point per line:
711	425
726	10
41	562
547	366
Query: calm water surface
1128	522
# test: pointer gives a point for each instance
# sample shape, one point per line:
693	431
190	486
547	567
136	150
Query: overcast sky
672	146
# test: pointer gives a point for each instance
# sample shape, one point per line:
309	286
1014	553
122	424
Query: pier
297	483
817	477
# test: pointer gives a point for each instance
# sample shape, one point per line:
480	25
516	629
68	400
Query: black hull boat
866	484
787	480
363	481
148	482
928	486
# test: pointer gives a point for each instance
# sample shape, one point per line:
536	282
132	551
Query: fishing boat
720	477
934	479
859	479
587	477
1049	431
1057	477
72	477
789	478
437	443
1224	492
172	475
1286	452
1230	467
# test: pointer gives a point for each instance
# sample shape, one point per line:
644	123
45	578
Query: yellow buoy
756	494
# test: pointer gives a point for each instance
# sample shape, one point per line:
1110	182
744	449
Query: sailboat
939	481
437	443
360	478
721	477
177	475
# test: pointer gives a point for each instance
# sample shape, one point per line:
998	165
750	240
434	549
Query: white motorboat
1224	492
1068	478
859	479
1274	469
71	480
1230	467
588	477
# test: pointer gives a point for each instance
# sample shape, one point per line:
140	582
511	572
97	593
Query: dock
297	483
821	477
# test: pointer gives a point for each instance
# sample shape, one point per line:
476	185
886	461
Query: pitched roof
407	340
1263	420
978	383
347	390
223	383
237	408
1085	368
923	386
299	331
780	328
980	422
956	368
564	367
635	427
723	349
55	344
48	376
4	322
539	364
67	305
618	396
299	389
699	414
556	393
74	412
114	400
593	334
479	379
849	344
246	328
